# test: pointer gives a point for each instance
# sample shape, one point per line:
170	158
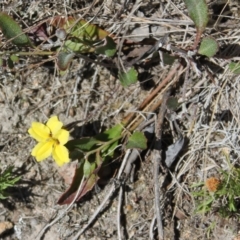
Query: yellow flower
51	139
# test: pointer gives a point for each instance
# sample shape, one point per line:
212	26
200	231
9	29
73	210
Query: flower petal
62	136
39	131
42	150
60	155
54	125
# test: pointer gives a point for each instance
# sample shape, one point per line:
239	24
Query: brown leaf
69	195
180	214
67	171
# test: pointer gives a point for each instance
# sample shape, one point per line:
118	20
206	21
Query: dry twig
157	162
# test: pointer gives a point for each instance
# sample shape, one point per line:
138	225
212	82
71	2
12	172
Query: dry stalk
154	100
157	163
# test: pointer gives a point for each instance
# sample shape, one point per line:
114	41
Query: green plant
7	180
91	152
221	194
74	37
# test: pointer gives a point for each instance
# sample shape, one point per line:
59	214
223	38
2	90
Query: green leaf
137	140
10	63
234	67
64	59
88	168
85	30
83	144
172	103
14	58
81	35
129	77
7	179
232	207
78	146
11	30
208	47
3	196
198	12
108	49
76	46
111	133
98	159
168	59
198	184
92	151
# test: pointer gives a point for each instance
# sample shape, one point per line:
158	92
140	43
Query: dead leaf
180	214
173	150
67	171
69	195
5	226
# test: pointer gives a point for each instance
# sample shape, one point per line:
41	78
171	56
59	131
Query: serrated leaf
11	30
64	59
137	140
108	49
129	77
234	67
208	47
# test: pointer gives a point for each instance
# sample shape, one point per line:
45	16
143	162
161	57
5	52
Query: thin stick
119	213
155	92
157	159
151	229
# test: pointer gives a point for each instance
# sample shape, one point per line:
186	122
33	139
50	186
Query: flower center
55	141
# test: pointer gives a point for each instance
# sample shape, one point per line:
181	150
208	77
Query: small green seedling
7	180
